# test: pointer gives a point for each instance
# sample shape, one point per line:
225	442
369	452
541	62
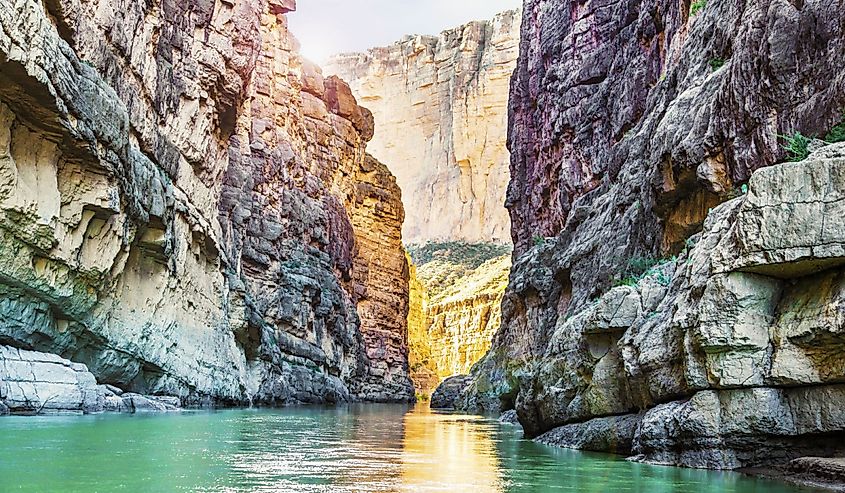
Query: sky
326	27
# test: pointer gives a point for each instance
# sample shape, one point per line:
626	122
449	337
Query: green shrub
837	133
797	146
539	240
717	63
637	269
628	281
470	255
638	266
696	6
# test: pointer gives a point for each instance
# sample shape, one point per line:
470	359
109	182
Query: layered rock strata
459	297
440	106
631	122
729	355
187	207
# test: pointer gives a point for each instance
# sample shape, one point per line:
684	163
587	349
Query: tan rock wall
189	209
440	106
459	296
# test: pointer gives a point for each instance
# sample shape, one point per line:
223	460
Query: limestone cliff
440	106
188	208
462	287
641	315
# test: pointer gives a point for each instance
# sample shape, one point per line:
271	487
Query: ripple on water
368	448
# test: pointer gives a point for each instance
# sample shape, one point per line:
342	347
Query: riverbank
826	474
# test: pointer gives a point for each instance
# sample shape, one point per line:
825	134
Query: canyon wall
188	208
674	295
459	298
440	106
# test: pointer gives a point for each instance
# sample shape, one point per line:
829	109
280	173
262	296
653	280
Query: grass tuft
837	133
696	7
797	146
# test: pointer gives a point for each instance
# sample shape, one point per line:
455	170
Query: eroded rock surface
729	355
32	382
187	207
43	383
634	126
460	288
440	106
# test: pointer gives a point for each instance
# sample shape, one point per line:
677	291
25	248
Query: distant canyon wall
440	106
188	208
456	294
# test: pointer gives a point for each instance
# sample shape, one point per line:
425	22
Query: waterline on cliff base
361	448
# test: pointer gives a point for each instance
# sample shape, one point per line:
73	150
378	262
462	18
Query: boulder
35	383
448	391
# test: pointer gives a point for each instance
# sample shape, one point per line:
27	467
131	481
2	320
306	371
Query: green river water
367	448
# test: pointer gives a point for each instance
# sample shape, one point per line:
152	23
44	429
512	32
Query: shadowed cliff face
189	209
440	105
641	315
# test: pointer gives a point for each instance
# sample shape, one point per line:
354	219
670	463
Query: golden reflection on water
448	453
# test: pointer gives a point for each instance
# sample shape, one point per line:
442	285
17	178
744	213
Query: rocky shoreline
33	383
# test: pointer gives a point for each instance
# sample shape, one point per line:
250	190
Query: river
360	448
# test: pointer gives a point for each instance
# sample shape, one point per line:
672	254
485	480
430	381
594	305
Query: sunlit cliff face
455	297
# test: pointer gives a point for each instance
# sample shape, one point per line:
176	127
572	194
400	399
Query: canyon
440	108
187	209
675	198
191	214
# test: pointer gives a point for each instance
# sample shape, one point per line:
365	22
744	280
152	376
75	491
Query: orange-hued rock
423	369
455	297
188	208
440	107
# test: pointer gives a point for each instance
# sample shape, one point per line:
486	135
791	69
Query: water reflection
449	453
340	450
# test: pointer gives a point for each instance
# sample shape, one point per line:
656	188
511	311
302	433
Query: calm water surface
351	449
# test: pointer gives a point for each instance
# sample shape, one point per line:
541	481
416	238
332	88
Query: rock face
32	382
43	383
448	391
440	106
729	355
459	295
641	315
187	207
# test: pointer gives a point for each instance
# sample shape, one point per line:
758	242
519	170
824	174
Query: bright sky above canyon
326	27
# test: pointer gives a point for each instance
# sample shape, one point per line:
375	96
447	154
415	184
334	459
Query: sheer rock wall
187	207
440	106
624	326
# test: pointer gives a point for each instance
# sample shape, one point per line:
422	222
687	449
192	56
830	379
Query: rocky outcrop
43	383
459	295
448	391
625	327
187	207
440	106
729	355
32	382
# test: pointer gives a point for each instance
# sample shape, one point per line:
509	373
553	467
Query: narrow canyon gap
440	108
